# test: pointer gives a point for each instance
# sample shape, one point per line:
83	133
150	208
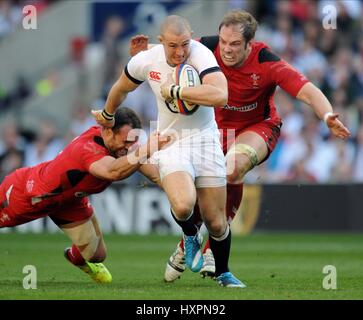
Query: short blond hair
245	19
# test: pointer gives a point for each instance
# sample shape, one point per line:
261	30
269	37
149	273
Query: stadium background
52	76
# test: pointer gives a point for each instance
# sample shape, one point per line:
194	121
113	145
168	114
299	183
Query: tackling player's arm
112	169
293	82
115	97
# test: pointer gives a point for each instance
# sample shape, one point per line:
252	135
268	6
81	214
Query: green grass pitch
274	266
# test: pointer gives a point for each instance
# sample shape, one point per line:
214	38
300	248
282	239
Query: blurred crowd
331	57
330	53
11	13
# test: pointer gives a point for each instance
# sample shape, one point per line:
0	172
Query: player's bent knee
236	177
182	210
216	226
241	158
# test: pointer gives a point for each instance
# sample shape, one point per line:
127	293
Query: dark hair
125	116
246	20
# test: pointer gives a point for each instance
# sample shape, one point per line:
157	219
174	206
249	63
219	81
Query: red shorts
16	204
268	130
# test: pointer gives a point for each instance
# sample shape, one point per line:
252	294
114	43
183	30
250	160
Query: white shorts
200	155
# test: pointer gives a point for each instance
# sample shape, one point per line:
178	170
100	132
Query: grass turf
273	266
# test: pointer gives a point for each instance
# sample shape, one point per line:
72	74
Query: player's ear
160	38
248	44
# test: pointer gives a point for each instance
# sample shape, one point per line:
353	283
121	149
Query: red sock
206	246
75	256
181	244
234	198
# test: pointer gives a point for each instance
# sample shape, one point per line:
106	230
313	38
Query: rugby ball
185	75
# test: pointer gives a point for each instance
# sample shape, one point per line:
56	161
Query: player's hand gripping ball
184	75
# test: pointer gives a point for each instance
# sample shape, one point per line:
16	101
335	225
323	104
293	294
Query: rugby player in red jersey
59	188
253	72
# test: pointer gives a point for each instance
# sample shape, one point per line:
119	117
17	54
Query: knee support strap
245	149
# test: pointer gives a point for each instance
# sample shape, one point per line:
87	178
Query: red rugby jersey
251	87
67	177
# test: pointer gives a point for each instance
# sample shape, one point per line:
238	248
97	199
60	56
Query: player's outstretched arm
313	96
112	169
115	97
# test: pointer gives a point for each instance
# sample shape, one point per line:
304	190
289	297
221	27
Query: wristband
171	90
327	115
107	116
180	93
175	91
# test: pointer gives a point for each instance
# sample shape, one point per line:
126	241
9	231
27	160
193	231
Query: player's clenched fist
104	118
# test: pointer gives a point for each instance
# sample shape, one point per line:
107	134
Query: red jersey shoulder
91	141
87	148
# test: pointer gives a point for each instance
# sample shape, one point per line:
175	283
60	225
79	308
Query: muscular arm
212	92
119	92
313	97
109	168
293	82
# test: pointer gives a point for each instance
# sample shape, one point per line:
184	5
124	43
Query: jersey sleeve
136	68
203	59
287	77
90	152
211	42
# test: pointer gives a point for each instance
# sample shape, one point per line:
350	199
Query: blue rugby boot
193	254
227	279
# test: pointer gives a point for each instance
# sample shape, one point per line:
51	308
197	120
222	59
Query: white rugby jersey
151	66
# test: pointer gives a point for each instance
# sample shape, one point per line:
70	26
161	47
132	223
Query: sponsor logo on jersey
246	108
155	76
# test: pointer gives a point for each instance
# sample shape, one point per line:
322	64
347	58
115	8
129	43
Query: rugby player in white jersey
193	167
